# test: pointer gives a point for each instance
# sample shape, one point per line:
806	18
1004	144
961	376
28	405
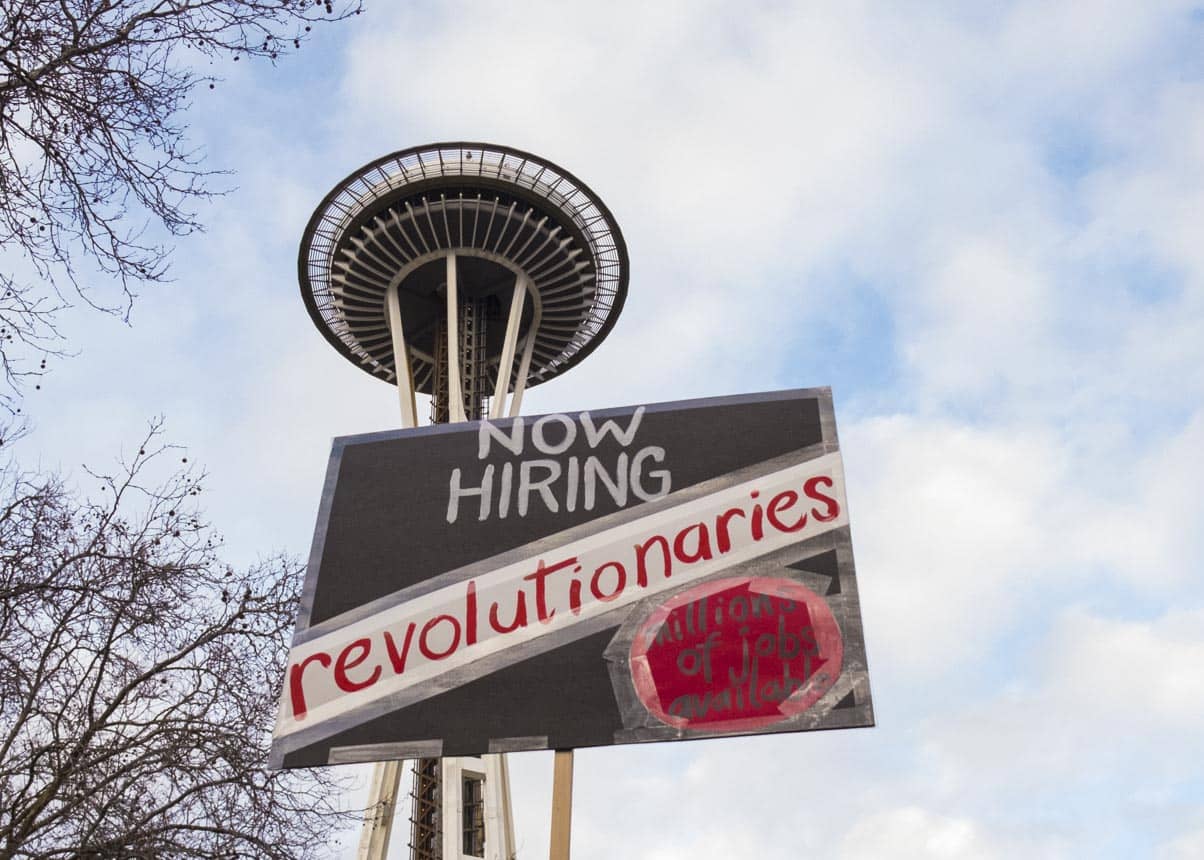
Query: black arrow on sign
823	564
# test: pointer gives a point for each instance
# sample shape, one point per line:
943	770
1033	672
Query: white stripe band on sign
447	629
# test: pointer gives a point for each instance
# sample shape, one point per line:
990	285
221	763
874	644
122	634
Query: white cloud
1142	518
1189	846
984	322
952	531
1101	704
1132	670
912	832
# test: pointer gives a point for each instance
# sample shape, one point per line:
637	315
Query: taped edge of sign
505	745
361	753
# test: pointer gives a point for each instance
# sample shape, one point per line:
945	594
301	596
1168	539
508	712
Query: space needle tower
466	272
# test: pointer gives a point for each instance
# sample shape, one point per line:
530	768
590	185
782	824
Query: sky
978	223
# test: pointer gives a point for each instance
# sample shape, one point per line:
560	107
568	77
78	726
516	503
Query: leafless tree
139	675
94	162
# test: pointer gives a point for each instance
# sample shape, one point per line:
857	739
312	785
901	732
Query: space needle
466	272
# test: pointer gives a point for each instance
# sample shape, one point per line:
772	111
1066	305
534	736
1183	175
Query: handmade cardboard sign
660	572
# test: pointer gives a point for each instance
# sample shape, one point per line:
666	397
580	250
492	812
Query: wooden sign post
562	805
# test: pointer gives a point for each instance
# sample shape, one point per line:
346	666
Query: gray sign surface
659	572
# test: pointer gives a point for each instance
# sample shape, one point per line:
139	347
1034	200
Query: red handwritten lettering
783	501
620	582
833	507
295	687
350	657
398	658
542	571
424	646
702	544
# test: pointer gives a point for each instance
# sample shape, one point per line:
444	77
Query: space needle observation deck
463	271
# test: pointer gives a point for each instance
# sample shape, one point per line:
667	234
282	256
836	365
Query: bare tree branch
94	161
138	678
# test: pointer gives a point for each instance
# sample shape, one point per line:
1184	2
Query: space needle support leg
455	374
524	366
386	776
506	364
401	360
378	817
